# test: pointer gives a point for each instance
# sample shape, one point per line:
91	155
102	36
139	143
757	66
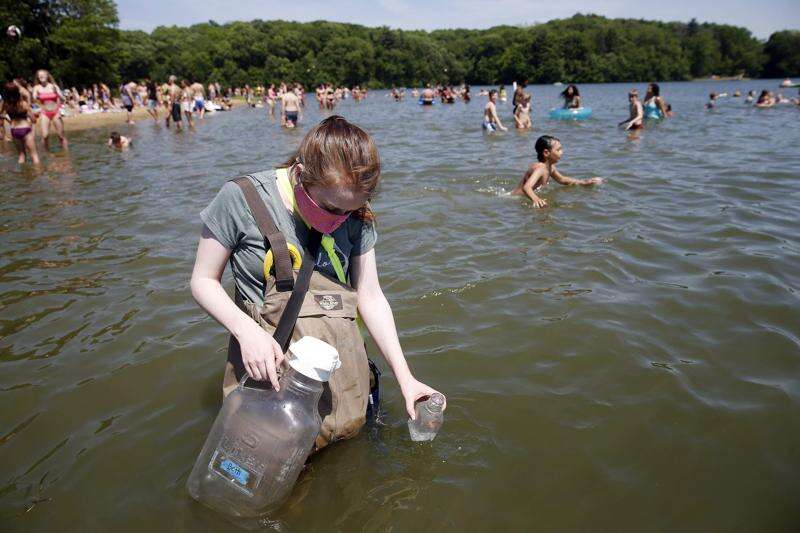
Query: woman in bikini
21	119
48	95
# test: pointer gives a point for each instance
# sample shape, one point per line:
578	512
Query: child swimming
548	152
118	141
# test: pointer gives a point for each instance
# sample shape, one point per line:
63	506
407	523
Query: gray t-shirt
229	219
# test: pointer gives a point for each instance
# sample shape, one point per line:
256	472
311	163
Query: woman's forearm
210	295
377	316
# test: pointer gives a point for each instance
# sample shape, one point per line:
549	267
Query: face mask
317	217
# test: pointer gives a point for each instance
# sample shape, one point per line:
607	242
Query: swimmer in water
48	95
522	113
118	141
751	95
572	97
491	122
290	109
765	99
548	152
712	101
427	95
654	105
636	119
21	119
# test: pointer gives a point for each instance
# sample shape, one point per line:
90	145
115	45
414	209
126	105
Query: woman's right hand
261	353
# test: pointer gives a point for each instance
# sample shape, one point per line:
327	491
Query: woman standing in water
654	106
48	95
572	97
21	119
318	199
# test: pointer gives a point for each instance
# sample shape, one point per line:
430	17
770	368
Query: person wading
311	213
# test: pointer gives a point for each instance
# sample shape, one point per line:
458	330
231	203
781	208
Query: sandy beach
84	121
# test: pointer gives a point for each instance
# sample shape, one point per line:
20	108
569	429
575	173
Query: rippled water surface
627	359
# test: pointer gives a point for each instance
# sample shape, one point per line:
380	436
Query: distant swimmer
765	99
572	97
48	95
519	94
491	122
116	140
126	92
548	153
712	101
21	119
654	106
272	97
290	109
187	102
503	94
199	96
636	119
427	96
751	95
173	99
522	113
152	98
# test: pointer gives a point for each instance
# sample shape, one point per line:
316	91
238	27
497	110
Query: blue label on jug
237	472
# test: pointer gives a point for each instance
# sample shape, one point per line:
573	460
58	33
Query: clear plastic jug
429	418
262	437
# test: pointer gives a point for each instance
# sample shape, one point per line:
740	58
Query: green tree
782	54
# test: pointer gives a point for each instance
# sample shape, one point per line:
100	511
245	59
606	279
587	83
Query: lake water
627	359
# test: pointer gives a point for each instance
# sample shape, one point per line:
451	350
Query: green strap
327	240
327	245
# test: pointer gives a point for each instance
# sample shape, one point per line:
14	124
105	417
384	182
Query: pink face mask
317	217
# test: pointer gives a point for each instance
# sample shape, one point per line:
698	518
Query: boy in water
548	153
290	109
118	141
634	121
491	122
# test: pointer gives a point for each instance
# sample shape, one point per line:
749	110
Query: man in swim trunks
199	95
491	122
290	108
427	95
127	92
152	97
174	101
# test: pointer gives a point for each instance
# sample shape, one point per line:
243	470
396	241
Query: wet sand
85	121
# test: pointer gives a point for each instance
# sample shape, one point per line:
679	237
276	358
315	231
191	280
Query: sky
761	18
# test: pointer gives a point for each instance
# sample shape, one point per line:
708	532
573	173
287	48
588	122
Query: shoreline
87	121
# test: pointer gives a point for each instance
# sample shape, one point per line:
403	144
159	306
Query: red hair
336	153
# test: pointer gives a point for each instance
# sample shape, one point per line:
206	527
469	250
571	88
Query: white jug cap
313	358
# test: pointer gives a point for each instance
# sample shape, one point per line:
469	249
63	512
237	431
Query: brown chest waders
308	303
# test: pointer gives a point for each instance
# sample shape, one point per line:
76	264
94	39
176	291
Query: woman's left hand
412	391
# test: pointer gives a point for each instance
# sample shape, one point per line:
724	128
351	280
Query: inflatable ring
579	113
294	253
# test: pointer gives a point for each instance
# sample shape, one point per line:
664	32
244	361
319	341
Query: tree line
79	42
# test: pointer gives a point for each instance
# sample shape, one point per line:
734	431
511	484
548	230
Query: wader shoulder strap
284	280
285	327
